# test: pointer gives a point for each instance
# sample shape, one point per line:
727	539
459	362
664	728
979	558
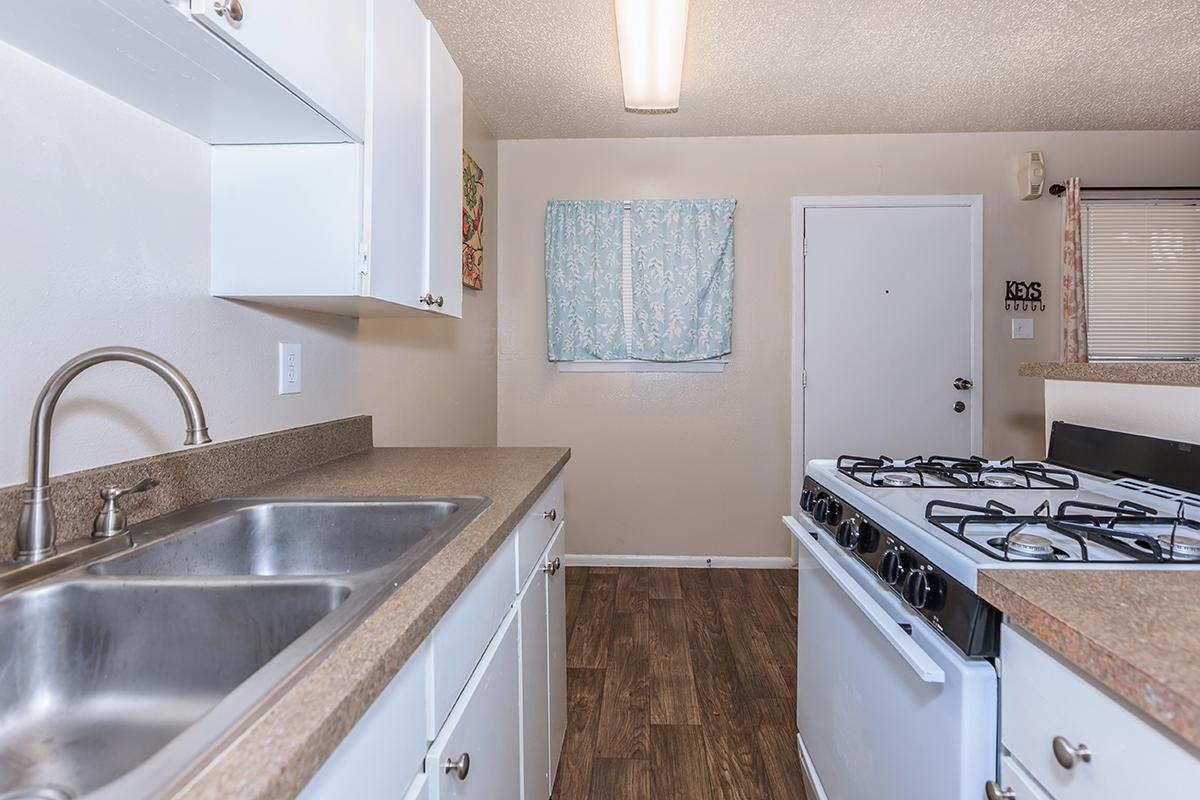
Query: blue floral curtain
584	315
682	279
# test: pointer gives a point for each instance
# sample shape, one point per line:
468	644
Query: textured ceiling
550	68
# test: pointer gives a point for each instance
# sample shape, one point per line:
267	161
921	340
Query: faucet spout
36	531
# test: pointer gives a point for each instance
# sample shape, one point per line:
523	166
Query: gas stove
926	525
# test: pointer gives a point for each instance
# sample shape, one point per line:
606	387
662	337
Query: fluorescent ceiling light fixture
651	35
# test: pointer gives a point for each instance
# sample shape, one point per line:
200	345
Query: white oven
886	707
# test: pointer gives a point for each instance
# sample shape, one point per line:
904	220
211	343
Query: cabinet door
383	752
556	620
315	48
483	729
535	689
445	178
394	153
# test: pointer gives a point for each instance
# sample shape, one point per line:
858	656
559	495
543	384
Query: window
639	286
1141	260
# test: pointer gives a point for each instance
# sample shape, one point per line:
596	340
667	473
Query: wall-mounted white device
1031	175
289	368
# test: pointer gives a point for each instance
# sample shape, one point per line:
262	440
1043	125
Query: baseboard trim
682	562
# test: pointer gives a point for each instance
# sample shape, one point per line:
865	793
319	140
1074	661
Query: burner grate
950	472
1129	528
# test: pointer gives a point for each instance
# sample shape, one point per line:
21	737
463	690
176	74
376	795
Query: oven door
882	712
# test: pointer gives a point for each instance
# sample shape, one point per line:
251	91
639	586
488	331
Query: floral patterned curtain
682	279
1074	302
584	315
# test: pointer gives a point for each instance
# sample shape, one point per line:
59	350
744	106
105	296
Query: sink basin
97	675
124	677
287	537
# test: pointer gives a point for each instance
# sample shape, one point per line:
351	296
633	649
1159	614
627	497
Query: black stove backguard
1112	454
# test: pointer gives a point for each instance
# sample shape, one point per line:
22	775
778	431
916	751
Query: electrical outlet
289	368
1022	329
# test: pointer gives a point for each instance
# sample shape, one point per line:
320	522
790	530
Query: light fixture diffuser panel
651	35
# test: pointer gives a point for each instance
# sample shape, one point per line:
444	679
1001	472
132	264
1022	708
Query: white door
890	324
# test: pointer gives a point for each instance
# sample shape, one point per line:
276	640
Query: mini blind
1142	268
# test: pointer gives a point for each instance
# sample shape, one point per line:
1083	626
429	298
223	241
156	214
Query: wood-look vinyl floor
681	685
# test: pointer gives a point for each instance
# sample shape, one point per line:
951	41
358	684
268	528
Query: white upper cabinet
285	232
153	55
444	271
315	48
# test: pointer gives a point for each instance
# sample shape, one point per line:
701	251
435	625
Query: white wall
698	464
104	236
1168	412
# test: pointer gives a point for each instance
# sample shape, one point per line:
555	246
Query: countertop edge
1148	373
308	751
1155	700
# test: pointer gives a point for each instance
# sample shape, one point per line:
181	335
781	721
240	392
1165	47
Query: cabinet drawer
1042	698
535	530
1016	780
459	639
484	728
384	750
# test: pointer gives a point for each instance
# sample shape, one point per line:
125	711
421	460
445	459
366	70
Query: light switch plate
289	368
1022	329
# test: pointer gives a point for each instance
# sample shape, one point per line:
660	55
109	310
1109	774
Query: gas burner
1025	545
898	479
1180	546
998	480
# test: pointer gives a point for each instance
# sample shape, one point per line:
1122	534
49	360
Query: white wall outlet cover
1022	329
289	368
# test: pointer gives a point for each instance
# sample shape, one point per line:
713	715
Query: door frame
973	202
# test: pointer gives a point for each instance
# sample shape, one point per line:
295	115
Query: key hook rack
1023	296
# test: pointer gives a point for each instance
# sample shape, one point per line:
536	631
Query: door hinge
803	379
804	247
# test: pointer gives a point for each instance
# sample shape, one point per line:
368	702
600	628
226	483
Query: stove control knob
924	590
891	567
806	500
847	534
819	507
834	512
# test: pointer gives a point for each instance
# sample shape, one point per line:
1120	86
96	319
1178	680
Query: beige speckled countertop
278	754
1136	632
1149	372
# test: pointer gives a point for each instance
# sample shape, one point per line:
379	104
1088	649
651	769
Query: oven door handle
920	661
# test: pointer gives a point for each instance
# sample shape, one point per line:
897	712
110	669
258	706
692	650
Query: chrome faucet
36	533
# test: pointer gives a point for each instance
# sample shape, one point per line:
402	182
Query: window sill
634	365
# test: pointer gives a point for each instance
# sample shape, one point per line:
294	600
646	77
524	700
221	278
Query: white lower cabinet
543	671
477	754
488	687
384	751
1078	742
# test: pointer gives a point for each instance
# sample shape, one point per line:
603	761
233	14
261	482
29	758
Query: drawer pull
552	567
231	7
1066	754
551	515
460	768
994	792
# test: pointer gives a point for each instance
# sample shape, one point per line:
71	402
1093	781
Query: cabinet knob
438	301
460	768
1066	754
229	8
993	792
552	567
551	515
426	298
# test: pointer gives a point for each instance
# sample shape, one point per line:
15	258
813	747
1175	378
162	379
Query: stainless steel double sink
125	675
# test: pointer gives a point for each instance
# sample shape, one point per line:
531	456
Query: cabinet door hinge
803	379
804	247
